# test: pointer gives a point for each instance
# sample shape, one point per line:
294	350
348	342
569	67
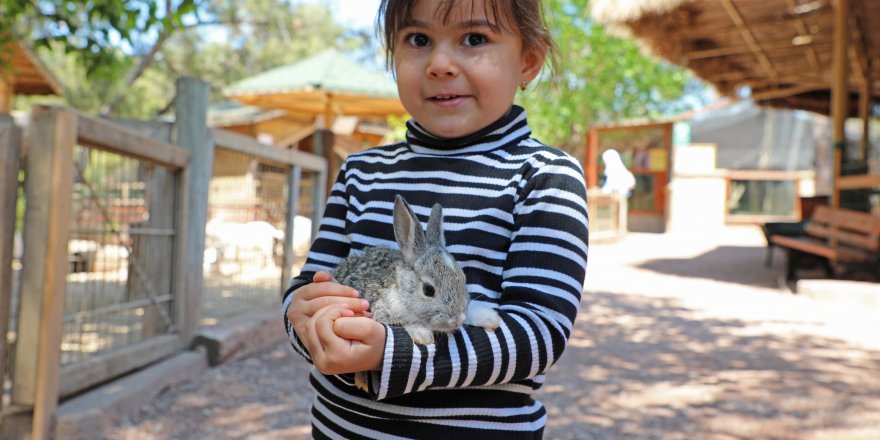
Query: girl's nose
442	64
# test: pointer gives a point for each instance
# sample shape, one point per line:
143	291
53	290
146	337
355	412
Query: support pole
294	180
6	95
865	115
50	136
191	132
839	92
10	148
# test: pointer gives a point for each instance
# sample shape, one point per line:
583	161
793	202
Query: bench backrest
852	228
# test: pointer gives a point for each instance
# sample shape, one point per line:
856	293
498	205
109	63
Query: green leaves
97	29
600	79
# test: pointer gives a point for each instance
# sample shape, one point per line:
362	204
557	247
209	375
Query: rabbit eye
428	290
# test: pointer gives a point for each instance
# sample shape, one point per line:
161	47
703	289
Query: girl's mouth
447	100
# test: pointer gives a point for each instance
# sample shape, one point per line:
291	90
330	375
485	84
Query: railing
253	236
47	325
114	242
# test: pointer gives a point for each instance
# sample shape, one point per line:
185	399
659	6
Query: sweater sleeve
328	249
542	280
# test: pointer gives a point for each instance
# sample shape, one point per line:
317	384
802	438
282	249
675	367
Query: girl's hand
341	343
324	291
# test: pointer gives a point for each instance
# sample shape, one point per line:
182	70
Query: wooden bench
843	241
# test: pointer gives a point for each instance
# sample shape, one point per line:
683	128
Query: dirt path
678	338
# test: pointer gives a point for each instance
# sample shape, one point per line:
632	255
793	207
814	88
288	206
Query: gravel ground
679	337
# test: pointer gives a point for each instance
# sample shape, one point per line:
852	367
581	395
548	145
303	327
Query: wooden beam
108	136
245	144
803	30
865	115
294	183
792	80
839	92
858	182
92	371
10	161
6	95
859	47
592	159
296	136
784	92
191	133
747	34
767	45
51	136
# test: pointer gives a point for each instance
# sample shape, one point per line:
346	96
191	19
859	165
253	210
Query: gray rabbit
420	287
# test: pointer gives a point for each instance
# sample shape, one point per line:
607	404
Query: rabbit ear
407	230
435	226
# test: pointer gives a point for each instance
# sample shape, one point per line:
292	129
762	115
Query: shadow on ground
637	367
723	263
647	368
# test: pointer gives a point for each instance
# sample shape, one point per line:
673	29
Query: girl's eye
472	40
418	40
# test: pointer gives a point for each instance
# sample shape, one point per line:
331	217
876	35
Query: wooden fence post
191	132
50	138
10	148
294	178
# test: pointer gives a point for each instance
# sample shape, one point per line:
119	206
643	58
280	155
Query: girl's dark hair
526	17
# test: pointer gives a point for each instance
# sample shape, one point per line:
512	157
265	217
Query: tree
599	79
95	28
129	68
257	35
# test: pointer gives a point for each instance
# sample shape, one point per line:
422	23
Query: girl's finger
309	308
324	289
353	328
322	276
323	320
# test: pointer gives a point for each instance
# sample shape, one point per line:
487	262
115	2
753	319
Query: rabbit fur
419	287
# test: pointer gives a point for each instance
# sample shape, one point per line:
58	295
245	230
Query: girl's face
459	76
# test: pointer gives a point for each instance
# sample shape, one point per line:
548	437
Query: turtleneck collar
510	128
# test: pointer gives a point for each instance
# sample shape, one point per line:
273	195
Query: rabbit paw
362	381
420	335
482	316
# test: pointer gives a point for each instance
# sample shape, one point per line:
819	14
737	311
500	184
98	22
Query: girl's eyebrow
463	24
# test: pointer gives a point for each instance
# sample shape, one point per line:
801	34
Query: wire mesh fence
118	287
247	215
104	264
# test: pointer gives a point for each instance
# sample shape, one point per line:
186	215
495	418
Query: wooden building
817	55
21	73
345	103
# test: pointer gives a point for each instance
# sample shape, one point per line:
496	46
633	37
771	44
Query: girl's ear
533	61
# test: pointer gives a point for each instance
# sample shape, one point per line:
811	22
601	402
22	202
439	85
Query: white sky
357	13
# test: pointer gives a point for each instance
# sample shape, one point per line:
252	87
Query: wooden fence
175	161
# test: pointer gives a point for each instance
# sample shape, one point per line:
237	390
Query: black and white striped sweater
515	218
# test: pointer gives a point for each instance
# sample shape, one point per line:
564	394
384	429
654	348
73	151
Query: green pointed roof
329	71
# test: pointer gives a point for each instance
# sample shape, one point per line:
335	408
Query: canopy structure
327	84
817	55
782	50
26	75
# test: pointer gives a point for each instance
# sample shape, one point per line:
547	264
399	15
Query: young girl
515	218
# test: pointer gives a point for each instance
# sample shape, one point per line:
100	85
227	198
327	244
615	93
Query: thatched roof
780	49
